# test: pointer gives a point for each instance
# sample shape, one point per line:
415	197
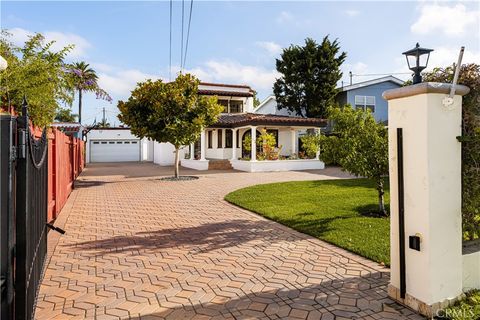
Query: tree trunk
177	160
80	106
381	201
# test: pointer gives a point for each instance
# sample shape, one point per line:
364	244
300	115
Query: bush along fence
37	169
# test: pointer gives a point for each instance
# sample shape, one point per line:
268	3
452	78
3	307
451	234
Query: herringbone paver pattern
138	247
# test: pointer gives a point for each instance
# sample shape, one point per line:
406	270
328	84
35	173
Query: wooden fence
65	163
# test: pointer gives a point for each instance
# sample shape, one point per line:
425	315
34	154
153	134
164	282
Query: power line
378	74
188	32
170	68
181	46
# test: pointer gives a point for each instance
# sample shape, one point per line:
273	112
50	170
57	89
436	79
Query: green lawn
335	211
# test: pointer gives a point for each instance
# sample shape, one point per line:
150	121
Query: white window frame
361	102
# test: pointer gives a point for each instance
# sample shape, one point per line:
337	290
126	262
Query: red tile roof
234	120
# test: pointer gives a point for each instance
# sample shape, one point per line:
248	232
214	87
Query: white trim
277	165
371	82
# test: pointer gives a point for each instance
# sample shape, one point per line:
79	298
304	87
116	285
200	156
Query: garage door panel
114	150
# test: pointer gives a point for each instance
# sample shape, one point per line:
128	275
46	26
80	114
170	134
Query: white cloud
446	56
449	20
284	17
121	82
272	48
227	71
19	36
352	13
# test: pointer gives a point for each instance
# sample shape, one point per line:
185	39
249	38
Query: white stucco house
221	145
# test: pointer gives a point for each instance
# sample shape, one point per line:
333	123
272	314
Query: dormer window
236	106
231	106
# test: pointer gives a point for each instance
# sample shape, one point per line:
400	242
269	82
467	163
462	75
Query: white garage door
114	150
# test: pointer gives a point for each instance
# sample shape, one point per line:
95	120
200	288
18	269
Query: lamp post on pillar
417	60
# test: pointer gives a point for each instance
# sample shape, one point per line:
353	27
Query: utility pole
351	77
103	119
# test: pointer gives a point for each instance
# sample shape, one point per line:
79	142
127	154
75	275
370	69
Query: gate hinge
21	150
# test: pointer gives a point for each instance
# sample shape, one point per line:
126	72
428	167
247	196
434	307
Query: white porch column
293	134
202	145
192	151
317	132
224	131
234	144
425	201
254	143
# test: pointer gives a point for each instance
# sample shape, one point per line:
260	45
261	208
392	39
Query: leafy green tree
169	112
310	144
469	76
309	76
360	145
36	72
85	79
65	115
256	101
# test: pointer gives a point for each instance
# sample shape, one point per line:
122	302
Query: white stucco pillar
234	144
192	151
317	132
431	274
253	131
202	145
293	135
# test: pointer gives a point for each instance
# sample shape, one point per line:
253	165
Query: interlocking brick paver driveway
138	247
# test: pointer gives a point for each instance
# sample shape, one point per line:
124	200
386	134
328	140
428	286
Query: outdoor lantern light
3	64
417	59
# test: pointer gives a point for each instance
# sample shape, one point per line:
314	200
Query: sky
237	42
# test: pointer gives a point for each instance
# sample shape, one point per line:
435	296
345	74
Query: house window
275	134
224	103
228	138
219	138
365	102
209	143
236	106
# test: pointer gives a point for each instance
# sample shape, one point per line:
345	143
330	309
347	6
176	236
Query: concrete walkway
138	247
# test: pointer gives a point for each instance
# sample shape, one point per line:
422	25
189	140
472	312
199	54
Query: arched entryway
246	153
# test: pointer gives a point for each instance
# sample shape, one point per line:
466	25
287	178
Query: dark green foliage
65	115
309	76
467	309
469	76
336	211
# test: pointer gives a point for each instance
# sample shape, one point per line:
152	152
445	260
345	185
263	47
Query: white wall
471	271
164	153
146	146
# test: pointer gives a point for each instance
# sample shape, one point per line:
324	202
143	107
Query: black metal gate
24	187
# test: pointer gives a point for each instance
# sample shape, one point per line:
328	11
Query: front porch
234	138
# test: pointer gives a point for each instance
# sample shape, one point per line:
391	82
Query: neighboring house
368	95
70	128
269	106
365	95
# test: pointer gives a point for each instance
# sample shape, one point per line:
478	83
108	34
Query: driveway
138	247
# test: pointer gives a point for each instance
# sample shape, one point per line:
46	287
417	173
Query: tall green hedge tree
469	76
169	112
309	76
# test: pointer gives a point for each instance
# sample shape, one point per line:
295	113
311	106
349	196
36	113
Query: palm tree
84	79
